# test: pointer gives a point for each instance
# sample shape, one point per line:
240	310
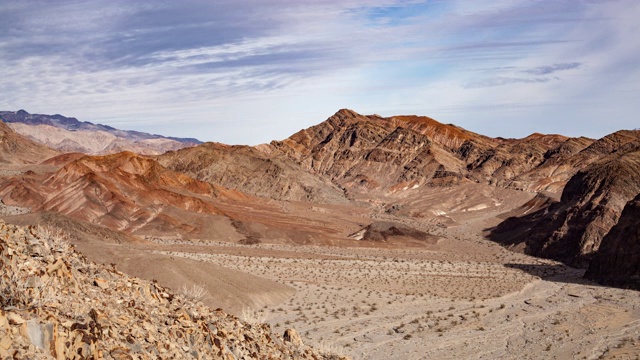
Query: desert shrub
194	292
252	316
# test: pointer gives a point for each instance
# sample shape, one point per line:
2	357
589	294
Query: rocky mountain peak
346	113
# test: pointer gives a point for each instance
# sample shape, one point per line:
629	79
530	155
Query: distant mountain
70	135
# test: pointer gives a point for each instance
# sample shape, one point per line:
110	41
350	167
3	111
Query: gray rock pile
56	304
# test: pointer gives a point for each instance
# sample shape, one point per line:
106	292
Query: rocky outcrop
55	304
70	135
572	229
374	152
617	262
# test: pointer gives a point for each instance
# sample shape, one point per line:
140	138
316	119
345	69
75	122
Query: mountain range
351	181
71	135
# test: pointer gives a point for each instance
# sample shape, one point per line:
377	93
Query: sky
252	71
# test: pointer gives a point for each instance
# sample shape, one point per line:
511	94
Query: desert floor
463	297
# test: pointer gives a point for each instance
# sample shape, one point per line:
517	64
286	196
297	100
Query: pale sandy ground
398	304
463	298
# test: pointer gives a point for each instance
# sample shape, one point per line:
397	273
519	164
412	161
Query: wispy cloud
500	80
550	69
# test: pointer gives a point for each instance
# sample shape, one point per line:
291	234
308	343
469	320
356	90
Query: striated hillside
123	191
617	262
119	317
353	169
572	229
70	135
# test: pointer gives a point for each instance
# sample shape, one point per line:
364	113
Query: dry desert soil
455	295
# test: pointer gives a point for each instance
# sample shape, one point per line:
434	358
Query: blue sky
247	72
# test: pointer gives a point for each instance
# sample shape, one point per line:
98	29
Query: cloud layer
252	71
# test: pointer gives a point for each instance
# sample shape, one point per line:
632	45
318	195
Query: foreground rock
617	262
55	304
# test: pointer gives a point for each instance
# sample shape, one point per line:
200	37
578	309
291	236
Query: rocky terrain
373	152
251	171
121	317
70	135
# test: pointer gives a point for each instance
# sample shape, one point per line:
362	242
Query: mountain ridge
351	159
68	134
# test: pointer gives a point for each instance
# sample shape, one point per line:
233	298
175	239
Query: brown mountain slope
572	229
617	262
16	149
372	152
251	171
559	164
503	163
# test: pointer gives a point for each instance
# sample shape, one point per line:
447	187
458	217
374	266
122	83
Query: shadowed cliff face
572	229
617	262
